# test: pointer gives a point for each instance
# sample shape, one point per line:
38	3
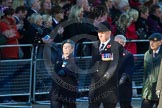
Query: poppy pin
108	46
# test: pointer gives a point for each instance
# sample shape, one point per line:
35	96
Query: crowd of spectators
25	22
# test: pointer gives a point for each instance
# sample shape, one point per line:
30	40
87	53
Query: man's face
145	15
37	5
158	12
154	45
120	41
22	14
47	4
67	49
104	36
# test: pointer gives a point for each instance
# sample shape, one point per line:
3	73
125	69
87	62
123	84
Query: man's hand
158	93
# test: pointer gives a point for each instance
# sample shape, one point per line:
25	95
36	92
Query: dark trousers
105	105
57	104
149	104
125	105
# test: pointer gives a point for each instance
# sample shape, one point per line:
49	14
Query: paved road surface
135	104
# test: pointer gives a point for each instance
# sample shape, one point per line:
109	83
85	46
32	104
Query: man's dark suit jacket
127	67
103	86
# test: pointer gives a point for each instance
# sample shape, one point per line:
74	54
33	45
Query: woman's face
39	21
49	23
47	4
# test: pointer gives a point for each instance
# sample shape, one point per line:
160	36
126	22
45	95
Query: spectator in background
75	26
8	24
131	31
149	3
101	14
34	7
153	21
7	3
67	8
135	3
17	3
141	24
62	3
84	4
19	16
126	69
65	71
152	60
113	13
57	14
142	29
46	7
46	35
123	5
47	24
122	23
34	33
4	4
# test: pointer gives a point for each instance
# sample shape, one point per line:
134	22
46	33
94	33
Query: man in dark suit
106	54
124	75
57	14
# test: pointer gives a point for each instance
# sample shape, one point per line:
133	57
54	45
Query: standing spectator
34	33
57	14
4	4
84	4
122	23
159	87
17	3
106	54
46	6
154	23
131	31
123	5
135	3
7	3
126	69
113	13
141	24
149	3
142	29
8	23
34	7
19	16
65	70
152	60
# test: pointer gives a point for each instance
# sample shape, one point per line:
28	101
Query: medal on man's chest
107	56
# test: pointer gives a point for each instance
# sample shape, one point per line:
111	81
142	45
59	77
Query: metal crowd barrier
15	79
29	77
